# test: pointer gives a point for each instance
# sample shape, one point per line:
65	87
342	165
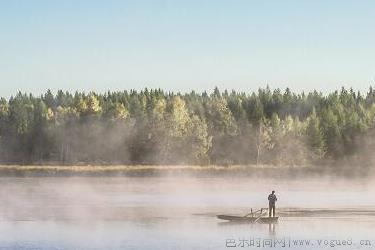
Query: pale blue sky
184	45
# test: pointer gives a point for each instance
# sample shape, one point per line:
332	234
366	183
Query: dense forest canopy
158	127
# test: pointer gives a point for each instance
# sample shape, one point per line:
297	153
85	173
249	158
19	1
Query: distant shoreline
263	171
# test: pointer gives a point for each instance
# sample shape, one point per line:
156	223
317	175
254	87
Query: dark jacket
272	199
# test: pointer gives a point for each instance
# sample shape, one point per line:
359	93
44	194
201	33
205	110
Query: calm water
180	213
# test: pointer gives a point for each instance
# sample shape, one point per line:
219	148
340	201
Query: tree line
156	127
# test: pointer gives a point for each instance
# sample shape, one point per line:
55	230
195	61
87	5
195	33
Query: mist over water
177	212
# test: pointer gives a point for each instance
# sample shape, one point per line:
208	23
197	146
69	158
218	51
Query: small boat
252	217
246	219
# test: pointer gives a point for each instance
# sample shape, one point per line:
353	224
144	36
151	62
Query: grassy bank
264	171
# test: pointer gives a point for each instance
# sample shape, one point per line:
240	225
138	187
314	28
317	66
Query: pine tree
314	135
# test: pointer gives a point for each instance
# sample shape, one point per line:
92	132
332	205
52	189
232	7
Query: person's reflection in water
272	229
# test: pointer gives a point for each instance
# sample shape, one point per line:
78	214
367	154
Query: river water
179	212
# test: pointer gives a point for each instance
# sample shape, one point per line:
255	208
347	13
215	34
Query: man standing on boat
271	201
